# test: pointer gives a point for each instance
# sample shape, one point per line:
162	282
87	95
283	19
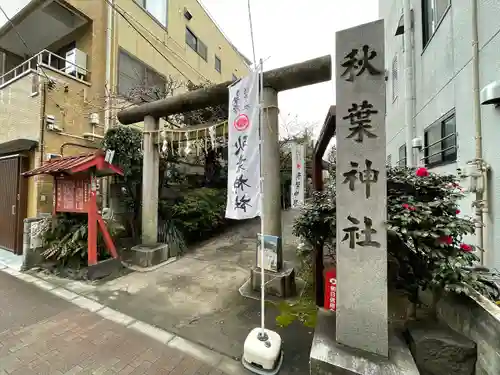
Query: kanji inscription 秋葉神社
357	62
367	176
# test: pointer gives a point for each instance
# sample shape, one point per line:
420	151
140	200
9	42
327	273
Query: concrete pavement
197	297
43	334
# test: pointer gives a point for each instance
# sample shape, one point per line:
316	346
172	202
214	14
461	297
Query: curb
220	361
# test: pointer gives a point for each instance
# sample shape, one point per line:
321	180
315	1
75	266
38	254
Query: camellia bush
425	234
426	247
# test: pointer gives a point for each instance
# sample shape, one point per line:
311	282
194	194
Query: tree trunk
411	311
437	293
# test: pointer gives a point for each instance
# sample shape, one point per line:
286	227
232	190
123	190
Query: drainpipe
480	206
107	110
409	82
43	99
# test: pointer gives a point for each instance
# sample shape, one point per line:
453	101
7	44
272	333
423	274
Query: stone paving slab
194	300
41	333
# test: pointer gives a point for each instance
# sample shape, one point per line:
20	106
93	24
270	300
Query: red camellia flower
422	172
446	240
408	207
457	212
466	248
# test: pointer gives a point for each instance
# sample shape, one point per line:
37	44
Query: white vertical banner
298	174
243	170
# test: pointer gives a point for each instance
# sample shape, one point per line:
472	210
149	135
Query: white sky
284	34
288	34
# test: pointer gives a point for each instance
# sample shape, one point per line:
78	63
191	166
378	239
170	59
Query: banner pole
262	229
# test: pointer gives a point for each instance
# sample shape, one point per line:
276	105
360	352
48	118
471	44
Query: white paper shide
243	174
298	173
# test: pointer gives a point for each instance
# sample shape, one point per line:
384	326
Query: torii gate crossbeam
293	76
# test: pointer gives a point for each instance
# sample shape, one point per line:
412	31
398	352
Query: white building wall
443	80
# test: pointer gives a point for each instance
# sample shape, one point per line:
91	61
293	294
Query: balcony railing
45	60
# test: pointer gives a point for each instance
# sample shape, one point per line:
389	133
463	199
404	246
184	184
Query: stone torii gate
289	77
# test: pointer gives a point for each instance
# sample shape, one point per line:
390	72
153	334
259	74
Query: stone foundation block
439	350
147	255
331	358
280	284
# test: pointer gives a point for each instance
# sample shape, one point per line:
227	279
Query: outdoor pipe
43	108
409	82
480	196
109	87
289	77
75	145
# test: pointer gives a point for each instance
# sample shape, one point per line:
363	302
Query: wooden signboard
71	194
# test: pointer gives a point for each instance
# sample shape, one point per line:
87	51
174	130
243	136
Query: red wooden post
327	133
92	220
74	176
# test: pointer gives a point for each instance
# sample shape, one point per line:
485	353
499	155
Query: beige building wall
171	42
23	105
19	111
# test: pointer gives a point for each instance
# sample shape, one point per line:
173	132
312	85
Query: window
196	44
440	141
432	13
156	8
395	85
402	156
132	74
218	64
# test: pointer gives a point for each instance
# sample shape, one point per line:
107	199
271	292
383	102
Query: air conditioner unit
51	123
76	62
49	156
54	128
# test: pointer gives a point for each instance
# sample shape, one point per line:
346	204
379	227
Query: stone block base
438	349
280	284
330	358
104	269
146	256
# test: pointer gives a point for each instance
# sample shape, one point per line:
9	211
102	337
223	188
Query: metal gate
13	196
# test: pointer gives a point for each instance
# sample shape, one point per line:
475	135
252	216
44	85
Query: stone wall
479	320
32	242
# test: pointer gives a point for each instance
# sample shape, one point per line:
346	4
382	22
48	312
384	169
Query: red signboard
331	290
71	194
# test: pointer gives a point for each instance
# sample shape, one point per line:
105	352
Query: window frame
201	48
402	160
143	5
429	27
218	67
146	72
442	124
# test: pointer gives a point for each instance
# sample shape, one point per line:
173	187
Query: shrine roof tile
61	165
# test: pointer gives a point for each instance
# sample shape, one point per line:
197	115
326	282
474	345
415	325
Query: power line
14	27
121	13
251	34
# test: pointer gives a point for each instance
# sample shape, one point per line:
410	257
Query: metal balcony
42	64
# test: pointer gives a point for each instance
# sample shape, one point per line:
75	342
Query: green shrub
425	235
65	239
199	212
